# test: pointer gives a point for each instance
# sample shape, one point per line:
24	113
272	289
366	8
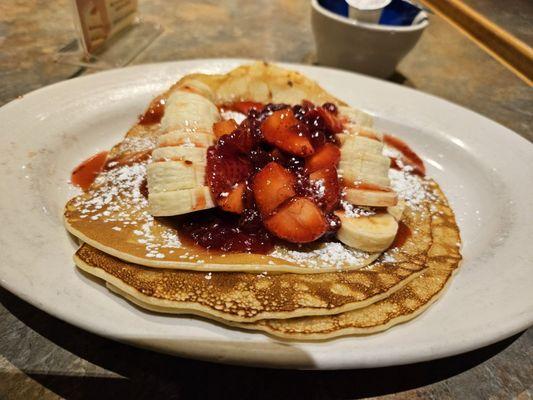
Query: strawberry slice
272	186
224	170
240	140
327	191
282	129
232	201
325	157
244	106
298	221
225	127
333	124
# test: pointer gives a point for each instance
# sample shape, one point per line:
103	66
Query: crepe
245	297
399	307
113	215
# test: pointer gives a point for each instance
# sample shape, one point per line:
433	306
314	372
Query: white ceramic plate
484	168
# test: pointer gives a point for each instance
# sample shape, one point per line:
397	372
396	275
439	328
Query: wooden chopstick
506	48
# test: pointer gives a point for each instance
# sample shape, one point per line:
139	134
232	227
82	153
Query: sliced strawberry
232	201
325	157
244	106
409	156
240	140
224	170
284	130
333	124
327	192
298	221
272	186
225	127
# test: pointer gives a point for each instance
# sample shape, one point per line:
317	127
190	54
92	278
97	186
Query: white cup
370	49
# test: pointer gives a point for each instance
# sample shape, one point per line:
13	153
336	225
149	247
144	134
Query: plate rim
226	63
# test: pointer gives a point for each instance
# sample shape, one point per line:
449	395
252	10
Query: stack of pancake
312	292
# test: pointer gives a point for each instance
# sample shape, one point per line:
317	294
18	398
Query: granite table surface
44	358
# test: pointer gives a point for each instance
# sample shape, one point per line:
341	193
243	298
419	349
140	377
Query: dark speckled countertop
44	358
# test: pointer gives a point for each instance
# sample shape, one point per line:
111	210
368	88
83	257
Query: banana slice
362	162
374	198
354	144
356	130
374	233
397	210
351	177
179	202
166	176
198	87
356	117
176	176
365	164
197	155
186	139
189	111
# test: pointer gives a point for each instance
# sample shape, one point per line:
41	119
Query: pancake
399	307
245	297
113	215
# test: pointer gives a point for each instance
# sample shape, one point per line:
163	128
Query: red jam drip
409	157
222	231
404	233
154	114
85	173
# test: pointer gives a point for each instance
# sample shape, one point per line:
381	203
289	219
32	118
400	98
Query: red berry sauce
237	157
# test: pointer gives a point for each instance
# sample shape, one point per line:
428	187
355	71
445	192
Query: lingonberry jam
238	224
218	230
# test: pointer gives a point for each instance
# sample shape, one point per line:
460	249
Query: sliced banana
189	111
198	87
374	233
354	144
397	210
197	155
167	176
179	202
363	165
357	130
355	116
186	139
373	198
352	176
362	162
176	175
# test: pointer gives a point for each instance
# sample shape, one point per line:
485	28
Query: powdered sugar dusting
319	187
330	254
136	144
116	199
237	116
411	188
353	211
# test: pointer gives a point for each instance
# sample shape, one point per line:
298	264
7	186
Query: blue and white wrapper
382	12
